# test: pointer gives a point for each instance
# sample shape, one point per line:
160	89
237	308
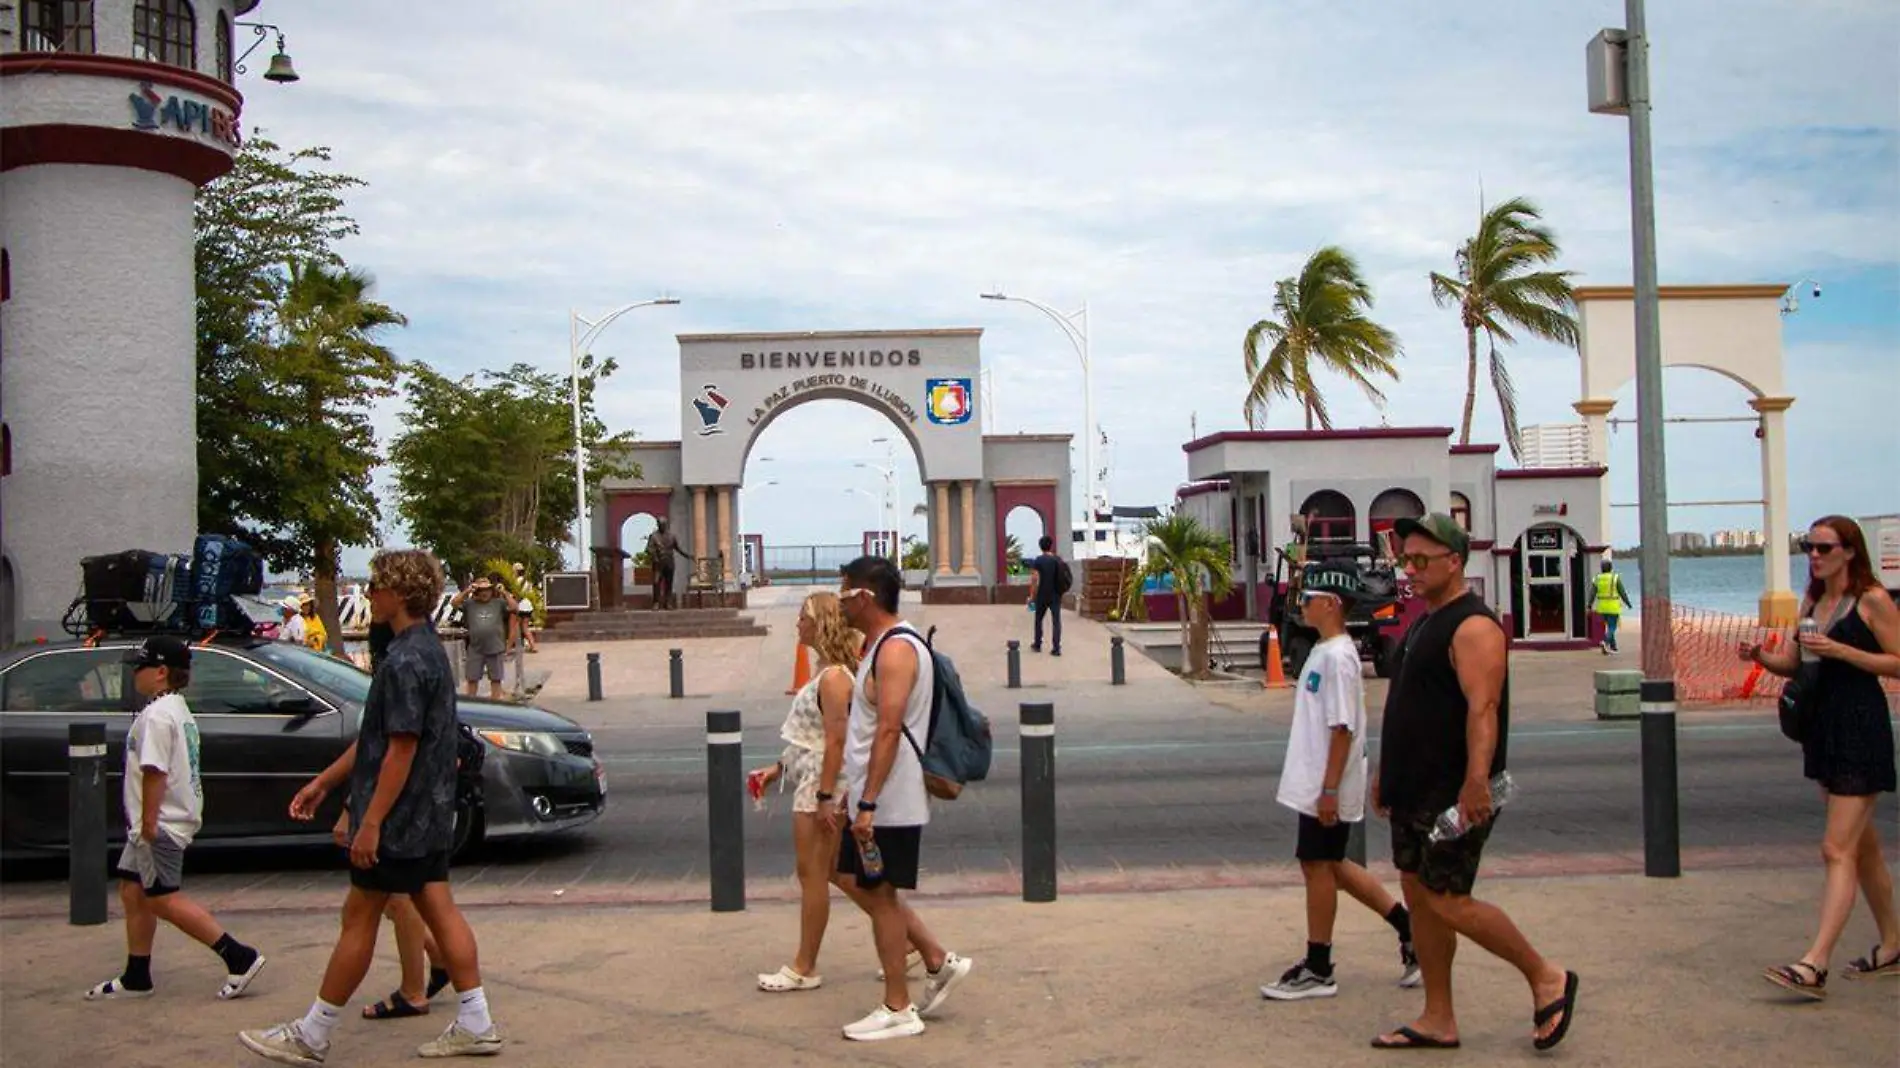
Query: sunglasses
1420	561
1818	548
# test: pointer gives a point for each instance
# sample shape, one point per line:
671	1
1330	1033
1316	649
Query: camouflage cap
1440	528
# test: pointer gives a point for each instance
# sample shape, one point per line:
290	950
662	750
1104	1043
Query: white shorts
803	767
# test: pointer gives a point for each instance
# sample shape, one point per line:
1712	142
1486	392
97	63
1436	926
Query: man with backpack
1049	580
886	801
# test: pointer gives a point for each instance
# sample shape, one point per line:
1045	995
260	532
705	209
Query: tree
1497	290
1200	563
1321	323
916	554
484	465
1013	554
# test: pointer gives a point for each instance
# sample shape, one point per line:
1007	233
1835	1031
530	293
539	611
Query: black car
270	717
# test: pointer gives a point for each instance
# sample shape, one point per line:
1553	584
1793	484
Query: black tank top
1422	750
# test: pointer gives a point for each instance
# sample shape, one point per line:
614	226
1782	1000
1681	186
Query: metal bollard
86	823
1038	733
521	666
1117	662
725	809
1356	844
593	676
675	673
1015	665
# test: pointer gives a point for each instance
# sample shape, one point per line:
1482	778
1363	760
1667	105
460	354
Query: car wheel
1298	647
468	831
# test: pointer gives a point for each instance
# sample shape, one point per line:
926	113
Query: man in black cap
164	807
1442	743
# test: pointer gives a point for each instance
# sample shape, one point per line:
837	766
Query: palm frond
1506	390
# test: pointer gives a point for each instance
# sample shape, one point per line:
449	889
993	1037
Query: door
263	738
40	697
1546	584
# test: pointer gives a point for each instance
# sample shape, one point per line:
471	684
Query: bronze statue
662	546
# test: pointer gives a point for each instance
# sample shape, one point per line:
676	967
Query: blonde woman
813	763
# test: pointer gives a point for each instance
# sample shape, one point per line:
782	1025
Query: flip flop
1413	1040
394	1007
1566	1005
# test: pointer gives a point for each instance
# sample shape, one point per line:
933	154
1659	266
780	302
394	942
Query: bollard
1356	844
593	676
1015	665
1117	662
86	823
725	808
521	666
1039	801
675	673
1662	823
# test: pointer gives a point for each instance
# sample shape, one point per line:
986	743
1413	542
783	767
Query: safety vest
1608	603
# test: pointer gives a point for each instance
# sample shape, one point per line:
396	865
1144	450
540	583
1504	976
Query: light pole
577	343
1619	85
1076	328
894	496
876	499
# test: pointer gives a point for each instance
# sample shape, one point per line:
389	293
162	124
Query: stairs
644	624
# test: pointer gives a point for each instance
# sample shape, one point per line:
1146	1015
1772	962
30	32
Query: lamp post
876	499
578	342
894	494
1076	328
1618	69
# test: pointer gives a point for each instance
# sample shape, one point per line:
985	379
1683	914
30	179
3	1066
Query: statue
661	548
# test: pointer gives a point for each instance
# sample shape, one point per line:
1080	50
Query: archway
1023	530
1330	519
636	572
1387	509
1461	511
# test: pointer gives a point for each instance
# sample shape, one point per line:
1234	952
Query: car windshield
340	677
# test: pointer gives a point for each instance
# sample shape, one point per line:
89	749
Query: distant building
1688	542
1556	445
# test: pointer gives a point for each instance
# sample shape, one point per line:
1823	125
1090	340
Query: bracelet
823	796
1328	791
867	806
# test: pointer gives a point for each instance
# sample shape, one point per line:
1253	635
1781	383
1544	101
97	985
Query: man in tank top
1447	714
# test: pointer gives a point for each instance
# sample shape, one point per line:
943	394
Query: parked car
270	716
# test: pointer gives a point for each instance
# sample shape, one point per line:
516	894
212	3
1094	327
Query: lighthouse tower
112	114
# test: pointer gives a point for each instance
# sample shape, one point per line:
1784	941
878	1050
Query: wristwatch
867	806
1327	791
823	797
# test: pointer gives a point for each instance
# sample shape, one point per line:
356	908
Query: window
56	26
222	684
345	680
79	680
165	31
224	47
1461	511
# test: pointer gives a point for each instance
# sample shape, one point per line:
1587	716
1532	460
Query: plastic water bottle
870	859
1451	823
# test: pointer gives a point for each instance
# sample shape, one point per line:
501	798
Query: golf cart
1373	623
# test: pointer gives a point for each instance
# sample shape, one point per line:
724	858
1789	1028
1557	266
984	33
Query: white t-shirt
291	630
902	802
165	736
1331	694
524	605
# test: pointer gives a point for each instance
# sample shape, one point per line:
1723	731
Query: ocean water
1731	584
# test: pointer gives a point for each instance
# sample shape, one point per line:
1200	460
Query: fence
807	565
1708	671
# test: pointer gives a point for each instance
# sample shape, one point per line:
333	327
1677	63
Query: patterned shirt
412	693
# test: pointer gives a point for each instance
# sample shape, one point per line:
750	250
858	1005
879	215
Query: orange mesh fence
1708	671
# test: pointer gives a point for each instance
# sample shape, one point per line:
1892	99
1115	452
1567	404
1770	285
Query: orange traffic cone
801	669
1274	677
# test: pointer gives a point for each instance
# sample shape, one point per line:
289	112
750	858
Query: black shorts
401	875
898	846
1319	843
1443	867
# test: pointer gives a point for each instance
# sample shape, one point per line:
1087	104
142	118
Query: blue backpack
959	735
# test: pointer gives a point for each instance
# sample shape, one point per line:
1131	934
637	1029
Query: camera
1817	290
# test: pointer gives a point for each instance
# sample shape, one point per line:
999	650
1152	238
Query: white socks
473	1015
319	1022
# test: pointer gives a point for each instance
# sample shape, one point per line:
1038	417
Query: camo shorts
1442	867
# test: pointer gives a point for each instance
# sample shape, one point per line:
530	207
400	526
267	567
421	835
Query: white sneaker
938	984
885	1022
1300	983
459	1041
284	1044
1411	976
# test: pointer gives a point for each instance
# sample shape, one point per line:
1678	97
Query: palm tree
1321	323
1498	290
1201	564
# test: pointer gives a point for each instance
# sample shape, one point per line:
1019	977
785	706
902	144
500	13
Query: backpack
1065	578
959	735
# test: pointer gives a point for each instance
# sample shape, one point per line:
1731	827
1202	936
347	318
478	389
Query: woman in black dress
1846	743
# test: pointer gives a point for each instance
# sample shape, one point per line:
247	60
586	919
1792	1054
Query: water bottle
870	860
1451	823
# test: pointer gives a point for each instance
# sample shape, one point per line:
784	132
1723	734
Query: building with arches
112	114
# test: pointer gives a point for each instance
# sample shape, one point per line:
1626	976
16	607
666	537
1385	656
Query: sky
870	164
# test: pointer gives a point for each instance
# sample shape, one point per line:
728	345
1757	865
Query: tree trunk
1309	412
324	572
1471	383
1187	633
1197	639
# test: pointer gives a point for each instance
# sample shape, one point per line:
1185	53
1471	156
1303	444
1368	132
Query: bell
280	69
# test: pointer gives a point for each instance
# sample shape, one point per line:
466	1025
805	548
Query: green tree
1013	554
1200	563
916	554
1321	322
1498	289
484	465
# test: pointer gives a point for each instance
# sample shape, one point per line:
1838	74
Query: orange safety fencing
1708	671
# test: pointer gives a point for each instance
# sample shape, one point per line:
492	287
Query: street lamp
876	499
577	342
1618	74
892	489
1076	328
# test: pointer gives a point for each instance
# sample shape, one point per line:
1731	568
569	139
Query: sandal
1407	1038
1869	967
1566	1005
1788	977
438	981
236	983
393	1007
786	980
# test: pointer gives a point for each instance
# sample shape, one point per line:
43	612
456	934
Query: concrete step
577	632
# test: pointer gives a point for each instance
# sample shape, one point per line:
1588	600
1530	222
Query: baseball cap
160	650
1440	528
1340	582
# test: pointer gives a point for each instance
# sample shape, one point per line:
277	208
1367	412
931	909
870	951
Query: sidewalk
1669	977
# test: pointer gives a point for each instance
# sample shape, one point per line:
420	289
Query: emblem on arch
948	401
711	406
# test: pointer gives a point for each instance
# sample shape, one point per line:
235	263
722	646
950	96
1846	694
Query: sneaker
885	1022
1408	960
938	984
284	1044
459	1041
114	989
1300	983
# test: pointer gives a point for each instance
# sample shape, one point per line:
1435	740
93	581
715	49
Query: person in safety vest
1610	599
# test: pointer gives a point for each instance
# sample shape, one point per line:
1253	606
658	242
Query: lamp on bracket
281	69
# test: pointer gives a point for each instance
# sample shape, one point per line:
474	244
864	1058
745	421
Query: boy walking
164	807
1045	595
1324	780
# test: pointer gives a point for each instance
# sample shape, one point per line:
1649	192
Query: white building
1555	445
112	114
